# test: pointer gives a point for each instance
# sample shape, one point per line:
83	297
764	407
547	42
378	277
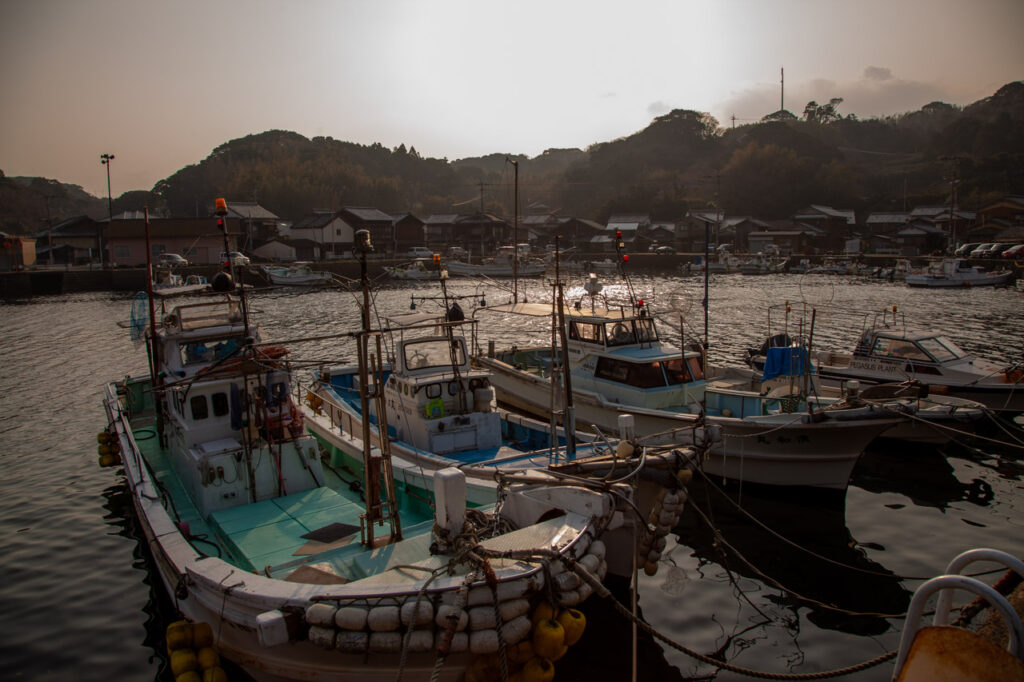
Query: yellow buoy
521	652
548	638
215	674
538	670
183	660
543	611
109	460
102	437
189	676
558	656
179	635
202	635
574	623
103	449
207	658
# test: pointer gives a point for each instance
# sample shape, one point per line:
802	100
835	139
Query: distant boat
414	269
502	265
297	274
958	272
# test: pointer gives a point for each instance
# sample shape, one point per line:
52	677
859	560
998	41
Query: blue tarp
786	361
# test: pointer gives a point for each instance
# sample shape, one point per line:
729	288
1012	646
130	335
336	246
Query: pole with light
105	159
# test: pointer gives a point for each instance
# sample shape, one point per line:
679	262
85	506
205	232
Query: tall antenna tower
782	90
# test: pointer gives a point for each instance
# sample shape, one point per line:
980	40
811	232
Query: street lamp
105	159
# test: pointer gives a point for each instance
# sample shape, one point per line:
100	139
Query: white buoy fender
510	610
320	614
516	630
351	618
482	618
421	640
598	548
513	589
483	642
446	611
383	618
417	613
460	641
385	642
352	642
566	581
322	637
569	598
590	562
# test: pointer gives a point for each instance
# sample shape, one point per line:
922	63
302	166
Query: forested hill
681	160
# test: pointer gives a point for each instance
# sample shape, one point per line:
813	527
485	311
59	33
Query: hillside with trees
682	160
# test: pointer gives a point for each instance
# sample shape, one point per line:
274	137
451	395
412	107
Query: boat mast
515	232
377	474
570	411
154	350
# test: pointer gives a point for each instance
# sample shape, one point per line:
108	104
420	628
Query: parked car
236	258
458	253
173	260
981	251
1016	252
964	250
665	250
419	252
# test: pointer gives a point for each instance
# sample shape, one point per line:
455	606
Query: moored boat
297	274
619	364
957	272
302	572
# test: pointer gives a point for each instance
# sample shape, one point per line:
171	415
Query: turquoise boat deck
267	537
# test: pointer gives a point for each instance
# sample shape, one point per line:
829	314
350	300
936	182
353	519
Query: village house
75	241
408	230
196	239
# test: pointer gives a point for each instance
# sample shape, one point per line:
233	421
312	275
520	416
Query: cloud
658	108
877	73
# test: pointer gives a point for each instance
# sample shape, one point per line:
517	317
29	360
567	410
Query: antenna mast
782	90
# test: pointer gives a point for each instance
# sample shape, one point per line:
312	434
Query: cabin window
434	353
220	404
696	370
645	330
453	388
586	331
200	410
636	374
433	391
942	349
675	372
898	348
620	333
208	350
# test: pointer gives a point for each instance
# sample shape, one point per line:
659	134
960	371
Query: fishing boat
418	268
298	274
169	282
505	263
957	272
887	352
439	411
300	572
618	363
760	264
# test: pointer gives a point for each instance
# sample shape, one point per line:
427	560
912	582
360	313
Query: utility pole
782	89
105	159
955	160
515	233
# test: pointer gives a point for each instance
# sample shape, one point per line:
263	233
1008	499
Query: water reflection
796	541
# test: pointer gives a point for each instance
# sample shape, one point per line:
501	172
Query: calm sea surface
780	582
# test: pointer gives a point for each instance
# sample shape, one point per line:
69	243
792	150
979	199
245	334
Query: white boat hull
772	450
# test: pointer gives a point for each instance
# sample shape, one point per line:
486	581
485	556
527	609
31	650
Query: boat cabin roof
585	313
200	316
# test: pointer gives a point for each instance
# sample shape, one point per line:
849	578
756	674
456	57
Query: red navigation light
625	258
618	235
640	303
220	223
221	207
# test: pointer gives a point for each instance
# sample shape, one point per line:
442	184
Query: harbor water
784	581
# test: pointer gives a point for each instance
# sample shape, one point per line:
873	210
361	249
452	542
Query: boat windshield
430	353
898	348
208	350
941	348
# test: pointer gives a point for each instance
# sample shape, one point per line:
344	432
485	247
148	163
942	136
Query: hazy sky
160	84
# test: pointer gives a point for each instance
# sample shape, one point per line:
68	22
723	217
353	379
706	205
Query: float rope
603	592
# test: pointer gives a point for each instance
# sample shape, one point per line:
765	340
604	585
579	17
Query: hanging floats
109	449
193	658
